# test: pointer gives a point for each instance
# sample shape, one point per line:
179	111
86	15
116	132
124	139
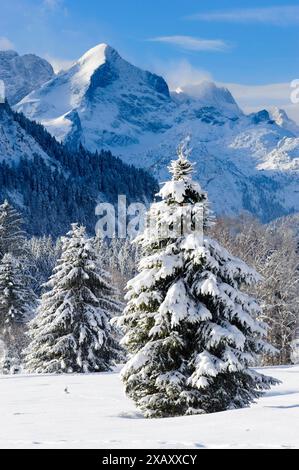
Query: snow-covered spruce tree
72	330
191	331
17	302
12	237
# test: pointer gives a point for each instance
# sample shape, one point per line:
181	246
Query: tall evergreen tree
12	237
16	304
72	330
191	331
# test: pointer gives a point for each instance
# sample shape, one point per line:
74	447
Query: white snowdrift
37	412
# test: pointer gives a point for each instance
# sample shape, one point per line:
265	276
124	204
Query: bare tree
272	251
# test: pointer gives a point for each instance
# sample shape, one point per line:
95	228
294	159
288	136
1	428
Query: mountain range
245	162
53	186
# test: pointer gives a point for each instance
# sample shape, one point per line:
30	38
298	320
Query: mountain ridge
53	186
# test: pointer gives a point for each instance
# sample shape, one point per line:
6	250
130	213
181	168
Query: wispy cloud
58	64
278	15
5	44
180	73
52	4
255	97
191	43
184	76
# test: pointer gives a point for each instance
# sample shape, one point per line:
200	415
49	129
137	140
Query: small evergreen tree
190	329
16	305
12	237
72	330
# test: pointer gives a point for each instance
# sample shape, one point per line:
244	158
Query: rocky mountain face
22	74
282	119
245	162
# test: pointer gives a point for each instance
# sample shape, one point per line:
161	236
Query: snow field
36	412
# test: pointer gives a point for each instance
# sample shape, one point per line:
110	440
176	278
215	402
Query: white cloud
250	98
258	94
180	74
279	15
255	97
5	44
58	64
52	4
193	44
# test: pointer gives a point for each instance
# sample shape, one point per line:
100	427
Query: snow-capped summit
103	101
99	86
113	67
94	57
22	74
209	94
65	91
282	119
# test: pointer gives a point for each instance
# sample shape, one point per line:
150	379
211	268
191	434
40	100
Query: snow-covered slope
37	413
22	74
245	162
15	142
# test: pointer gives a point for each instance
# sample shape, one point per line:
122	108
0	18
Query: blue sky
248	44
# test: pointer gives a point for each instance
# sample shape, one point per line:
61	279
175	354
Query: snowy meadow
149	228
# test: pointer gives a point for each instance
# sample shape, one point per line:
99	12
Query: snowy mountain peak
209	91
99	54
209	94
99	80
84	83
95	52
92	60
83	69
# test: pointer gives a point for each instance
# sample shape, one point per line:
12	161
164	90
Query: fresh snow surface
91	411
